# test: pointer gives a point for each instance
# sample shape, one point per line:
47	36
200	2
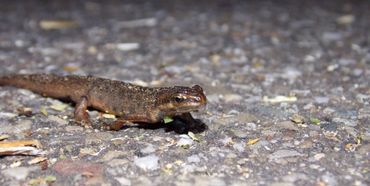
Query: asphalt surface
287	84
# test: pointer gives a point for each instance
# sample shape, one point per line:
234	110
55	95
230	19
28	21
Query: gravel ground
287	84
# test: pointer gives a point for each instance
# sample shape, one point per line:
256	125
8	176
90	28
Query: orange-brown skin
131	103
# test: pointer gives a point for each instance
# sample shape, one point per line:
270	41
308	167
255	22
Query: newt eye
179	99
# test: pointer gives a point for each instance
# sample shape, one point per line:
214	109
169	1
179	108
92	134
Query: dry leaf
297	119
70	68
42	180
26	111
32	151
59	106
21	143
350	147
2	137
44	111
36	160
252	141
15	164
109	116
57	24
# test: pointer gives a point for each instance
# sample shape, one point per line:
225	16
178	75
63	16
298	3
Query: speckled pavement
287	84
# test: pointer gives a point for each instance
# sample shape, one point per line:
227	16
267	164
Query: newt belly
131	103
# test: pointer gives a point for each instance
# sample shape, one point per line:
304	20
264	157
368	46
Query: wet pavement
287	85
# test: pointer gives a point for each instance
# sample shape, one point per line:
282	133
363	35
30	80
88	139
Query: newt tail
131	103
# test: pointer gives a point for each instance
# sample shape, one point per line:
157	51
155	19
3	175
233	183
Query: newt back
130	102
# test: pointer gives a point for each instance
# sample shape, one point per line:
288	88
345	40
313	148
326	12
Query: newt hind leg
81	114
120	122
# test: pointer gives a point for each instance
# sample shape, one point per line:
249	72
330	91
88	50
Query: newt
129	102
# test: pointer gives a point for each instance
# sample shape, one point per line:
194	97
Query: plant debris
57	24
279	99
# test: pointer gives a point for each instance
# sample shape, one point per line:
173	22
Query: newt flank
130	103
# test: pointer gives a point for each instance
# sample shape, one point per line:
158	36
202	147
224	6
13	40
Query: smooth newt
129	102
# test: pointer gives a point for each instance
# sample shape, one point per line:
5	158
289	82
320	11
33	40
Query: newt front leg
81	114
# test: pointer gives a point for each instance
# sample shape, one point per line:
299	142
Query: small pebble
321	100
74	128
287	125
319	156
284	154
148	163
148	149
193	159
123	181
239	147
232	98
19	173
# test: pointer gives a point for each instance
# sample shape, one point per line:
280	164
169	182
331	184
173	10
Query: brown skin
131	103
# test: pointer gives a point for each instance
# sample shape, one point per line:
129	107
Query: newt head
177	100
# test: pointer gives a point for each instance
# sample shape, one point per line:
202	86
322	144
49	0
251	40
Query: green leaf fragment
185	146
50	178
315	121
44	111
167	119
59	107
193	136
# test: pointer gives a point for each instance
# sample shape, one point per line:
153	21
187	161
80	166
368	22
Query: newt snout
178	99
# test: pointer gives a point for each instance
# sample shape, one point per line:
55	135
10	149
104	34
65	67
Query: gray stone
303	93
328	111
208	181
19	173
193	159
123	181
57	120
364	149
284	154
7	115
366	136
232	98
318	156
321	100
74	128
251	126
23	125
364	113
113	154
118	162
347	122
295	177
351	131
213	98
282	184
98	137
291	74
289	125
19	128
330	179
239	147
240	133
142	180
148	149
147	163
185	142
362	98
331	36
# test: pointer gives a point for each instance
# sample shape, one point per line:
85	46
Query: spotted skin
130	103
